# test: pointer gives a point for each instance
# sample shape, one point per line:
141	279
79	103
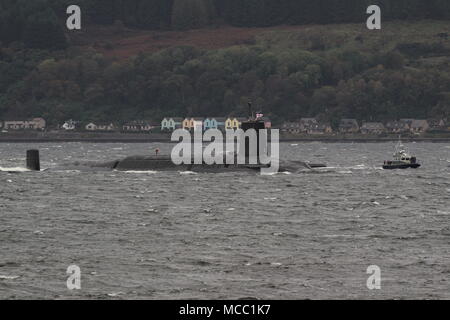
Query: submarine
165	163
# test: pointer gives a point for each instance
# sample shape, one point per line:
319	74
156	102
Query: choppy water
166	235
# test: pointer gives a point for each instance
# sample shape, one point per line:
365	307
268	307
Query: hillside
124	42
329	71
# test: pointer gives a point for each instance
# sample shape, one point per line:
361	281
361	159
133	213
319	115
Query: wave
14	169
187	172
138	172
2	277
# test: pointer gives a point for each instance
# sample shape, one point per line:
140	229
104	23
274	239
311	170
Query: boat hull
401	166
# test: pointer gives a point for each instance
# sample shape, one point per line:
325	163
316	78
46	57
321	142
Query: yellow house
234	123
187	124
229	124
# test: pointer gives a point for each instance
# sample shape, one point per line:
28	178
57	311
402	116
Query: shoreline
164	138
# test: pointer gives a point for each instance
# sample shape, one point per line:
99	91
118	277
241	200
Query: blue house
171	124
214	123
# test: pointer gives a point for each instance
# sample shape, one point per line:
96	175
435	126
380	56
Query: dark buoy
33	162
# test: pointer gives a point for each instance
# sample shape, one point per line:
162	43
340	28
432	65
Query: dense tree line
249	13
185	81
40	23
34	23
326	79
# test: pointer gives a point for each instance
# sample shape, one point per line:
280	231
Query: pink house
267	123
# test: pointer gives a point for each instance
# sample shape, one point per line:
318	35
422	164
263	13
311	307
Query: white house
100	127
138	126
70	125
91	127
33	124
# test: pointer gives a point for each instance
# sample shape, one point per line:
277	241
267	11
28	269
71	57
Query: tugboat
402	159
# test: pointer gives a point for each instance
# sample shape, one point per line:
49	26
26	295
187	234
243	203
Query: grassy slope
123	43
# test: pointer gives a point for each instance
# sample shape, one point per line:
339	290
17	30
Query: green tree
191	14
43	31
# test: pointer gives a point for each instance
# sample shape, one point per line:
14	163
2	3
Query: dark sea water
172	235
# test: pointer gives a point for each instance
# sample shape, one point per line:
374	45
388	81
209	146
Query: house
397	127
186	124
70	125
320	128
193	123
91	127
138	126
436	124
267	123
14	125
229	124
307	124
33	124
234	123
197	124
373	128
171	124
348	126
100	127
209	123
214	123
407	123
106	127
419	126
291	127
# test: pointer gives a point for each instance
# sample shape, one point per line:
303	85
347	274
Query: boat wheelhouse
402	159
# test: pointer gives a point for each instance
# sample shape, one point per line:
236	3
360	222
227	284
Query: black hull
401	166
164	163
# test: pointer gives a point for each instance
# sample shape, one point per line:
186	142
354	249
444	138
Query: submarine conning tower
255	123
33	161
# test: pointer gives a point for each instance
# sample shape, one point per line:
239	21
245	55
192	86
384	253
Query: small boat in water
402	159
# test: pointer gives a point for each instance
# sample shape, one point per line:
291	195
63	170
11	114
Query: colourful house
229	124
214	123
171	124
193	123
267	123
186	124
234	123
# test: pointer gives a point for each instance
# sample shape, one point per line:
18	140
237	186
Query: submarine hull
160	163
